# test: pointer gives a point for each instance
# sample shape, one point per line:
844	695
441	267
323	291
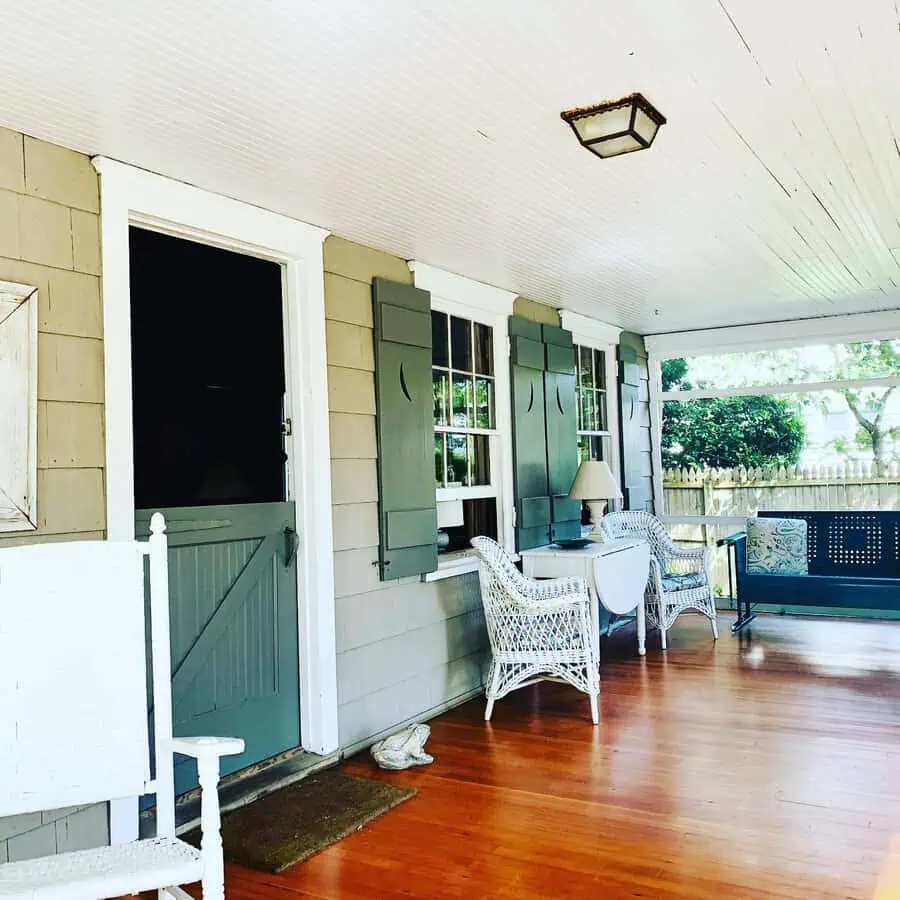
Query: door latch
291	543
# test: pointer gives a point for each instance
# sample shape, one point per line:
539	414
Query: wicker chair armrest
555	594
564	603
684	560
677	552
558	587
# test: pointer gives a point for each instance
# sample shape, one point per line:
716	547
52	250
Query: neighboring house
374	653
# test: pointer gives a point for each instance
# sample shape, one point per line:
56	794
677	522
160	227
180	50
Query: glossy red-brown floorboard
766	765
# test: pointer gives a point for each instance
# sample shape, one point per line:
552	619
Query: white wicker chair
679	577
538	630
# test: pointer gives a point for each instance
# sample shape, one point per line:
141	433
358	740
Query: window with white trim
598	402
594	435
472	417
465	428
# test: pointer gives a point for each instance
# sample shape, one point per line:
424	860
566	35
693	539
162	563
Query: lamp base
597	509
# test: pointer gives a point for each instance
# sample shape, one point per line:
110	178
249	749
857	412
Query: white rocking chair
73	730
538	630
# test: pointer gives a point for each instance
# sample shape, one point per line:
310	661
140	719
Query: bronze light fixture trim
619	126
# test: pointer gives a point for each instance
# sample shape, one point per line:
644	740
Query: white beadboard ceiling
432	130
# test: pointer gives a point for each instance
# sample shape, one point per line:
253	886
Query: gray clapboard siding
377	666
350	346
405	607
355	525
352	436
406	648
351	391
347	300
427	694
51	196
353	481
77	831
53	831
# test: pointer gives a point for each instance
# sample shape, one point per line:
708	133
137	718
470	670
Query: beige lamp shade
594	481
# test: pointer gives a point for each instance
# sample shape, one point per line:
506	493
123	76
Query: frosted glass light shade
621	126
594	481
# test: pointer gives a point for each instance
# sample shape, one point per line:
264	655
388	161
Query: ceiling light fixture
621	126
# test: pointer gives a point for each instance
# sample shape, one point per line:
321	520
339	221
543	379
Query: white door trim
131	196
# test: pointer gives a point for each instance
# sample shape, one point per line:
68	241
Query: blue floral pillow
776	547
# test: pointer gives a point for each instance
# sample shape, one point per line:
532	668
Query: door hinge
287	427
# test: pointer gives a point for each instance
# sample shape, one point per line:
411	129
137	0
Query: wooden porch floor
767	765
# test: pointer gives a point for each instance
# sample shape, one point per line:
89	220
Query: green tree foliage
725	432
674	375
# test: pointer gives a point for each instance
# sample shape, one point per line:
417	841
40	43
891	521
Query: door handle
291	543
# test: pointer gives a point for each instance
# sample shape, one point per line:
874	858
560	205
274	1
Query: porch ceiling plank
770	195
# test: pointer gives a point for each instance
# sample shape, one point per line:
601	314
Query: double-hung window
465	426
595	367
472	427
594	434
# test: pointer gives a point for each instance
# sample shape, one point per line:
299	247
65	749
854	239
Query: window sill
452	565
460	563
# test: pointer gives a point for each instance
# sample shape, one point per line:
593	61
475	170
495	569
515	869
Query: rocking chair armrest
207	747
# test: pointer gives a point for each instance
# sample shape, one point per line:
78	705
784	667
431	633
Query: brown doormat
291	824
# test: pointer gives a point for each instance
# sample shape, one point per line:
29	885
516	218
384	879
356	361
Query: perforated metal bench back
864	543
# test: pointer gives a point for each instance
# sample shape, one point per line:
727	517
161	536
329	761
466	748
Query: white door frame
132	196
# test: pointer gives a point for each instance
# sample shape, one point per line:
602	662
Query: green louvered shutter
404	427
634	481
545	451
532	492
562	434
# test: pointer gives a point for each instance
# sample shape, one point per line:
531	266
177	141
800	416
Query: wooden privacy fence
743	492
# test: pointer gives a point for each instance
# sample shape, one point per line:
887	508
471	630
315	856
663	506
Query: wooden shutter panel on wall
532	493
562	432
545	455
404	428
634	480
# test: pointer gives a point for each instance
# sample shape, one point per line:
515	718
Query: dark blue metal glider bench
854	563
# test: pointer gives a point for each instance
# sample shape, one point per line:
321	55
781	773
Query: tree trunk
872	429
881	464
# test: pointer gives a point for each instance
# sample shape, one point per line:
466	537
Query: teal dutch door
209	453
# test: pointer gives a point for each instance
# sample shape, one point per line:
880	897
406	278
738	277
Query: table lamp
595	484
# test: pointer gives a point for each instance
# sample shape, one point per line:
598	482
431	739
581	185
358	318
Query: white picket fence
743	492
